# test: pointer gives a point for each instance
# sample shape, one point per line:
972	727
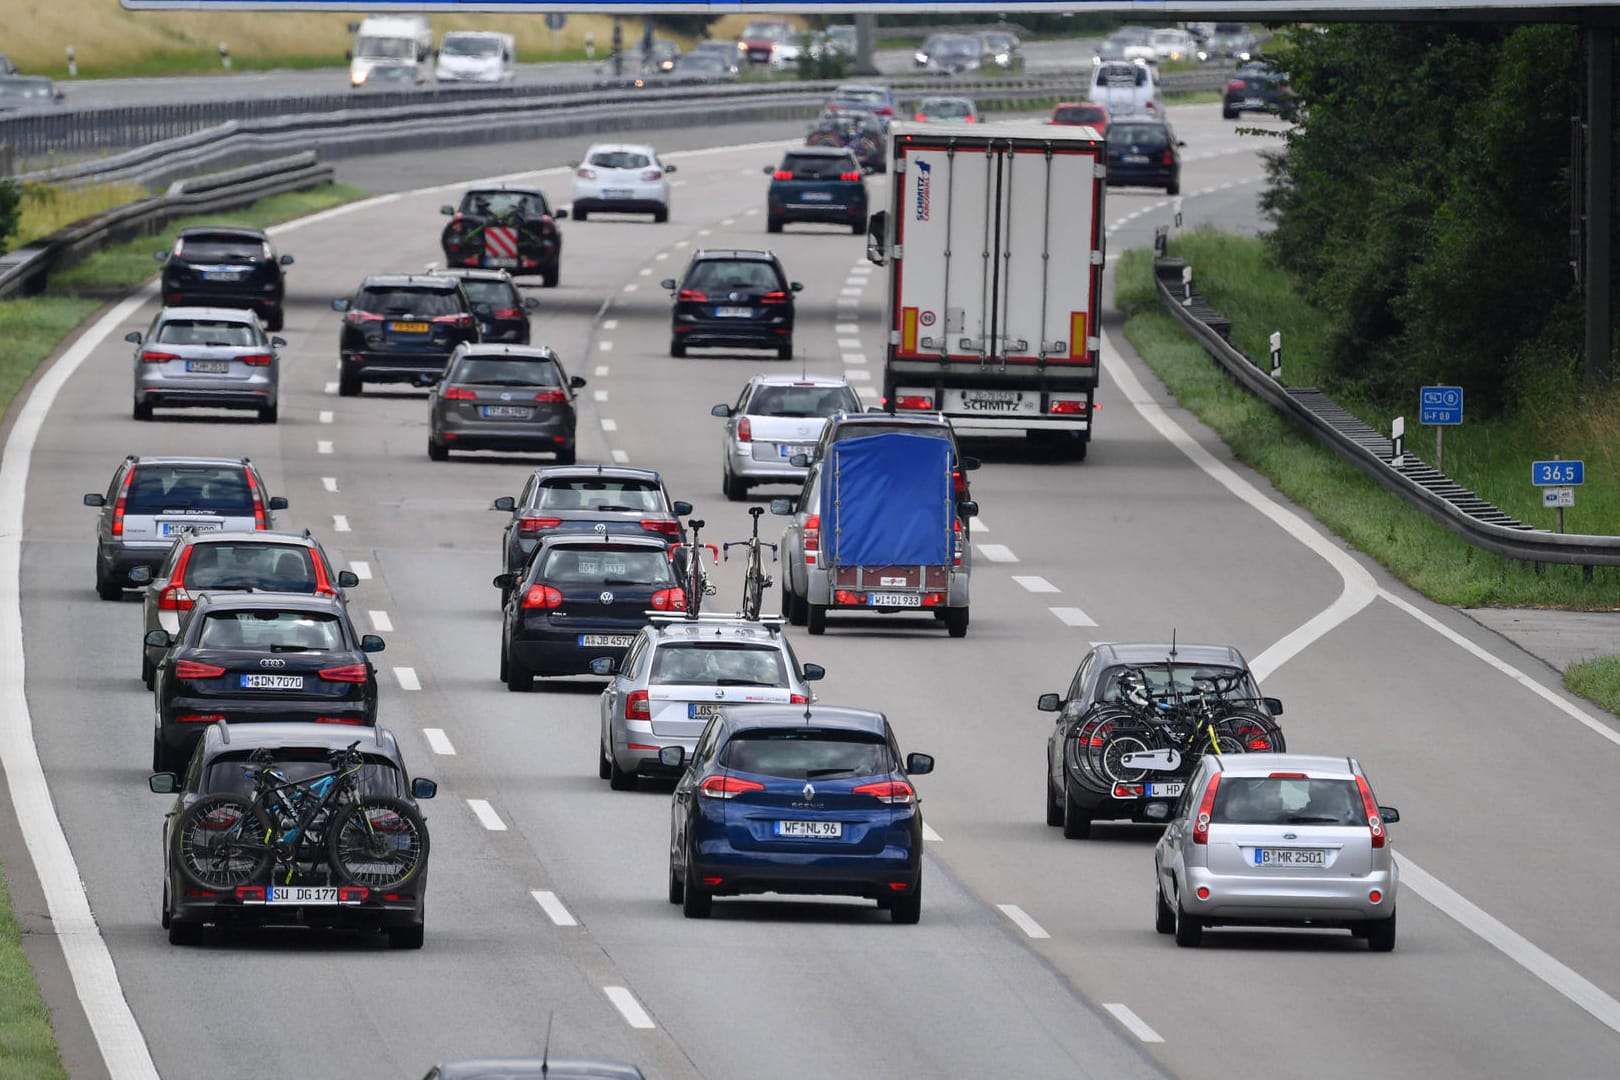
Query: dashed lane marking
331	388
610	324
600	395
380	622
601	371
362	570
407	678
846	328
329	483
857	375
621	457
849	343
996	552
1019	918
323	446
1133	1023
438	741
645	271
1031	582
609	425
930	835
1073	616
340	523
324	416
604	346
854	358
849	292
487	817
629	1007
661	256
630	287
553	907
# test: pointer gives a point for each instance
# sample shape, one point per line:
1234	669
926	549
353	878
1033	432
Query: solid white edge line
380	622
553	907
1020	918
438	741
629	1007
1133	1023
407	678
487	817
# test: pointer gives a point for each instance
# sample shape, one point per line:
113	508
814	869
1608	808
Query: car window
207	332
1167	679
801	401
808	754
504	371
1275	800
158	488
620	159
945	108
1077	687
1079	114
498	294
591	493
720	274
238	564
503	204
224	773
711	664
233	249
431	303
1143	136
1122	75
600	565
459	45
276	631
633	657
707	744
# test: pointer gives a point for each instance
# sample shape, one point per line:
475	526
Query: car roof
223	230
516	352
705	254
1115	652
182	459
241	315
917	419
548	1068
1266	764
498	188
415	281
222	735
710	631
257	536
626	472
595	539
248	599
822	151
800	380
476	273
638	147
758	717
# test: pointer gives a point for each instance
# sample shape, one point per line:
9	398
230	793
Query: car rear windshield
459	45
1144	136
1163	679
871	99
495	294
158	488
946	108
503	204
592	493
801	401
605	565
504	371
713	275
1273	800
802	754
207	332
717	664
620	159
1121	75
1079	114
224	249
277	631
224	775
430	303
820	166
240	564
766	31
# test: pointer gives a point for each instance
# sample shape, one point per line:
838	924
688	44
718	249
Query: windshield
720	274
277	631
717	664
768	31
808	754
486	293
504	371
470	46
957	47
221	249
801	401
24	89
599	566
702	62
501	204
385	48
1080	114
1121	75
946	108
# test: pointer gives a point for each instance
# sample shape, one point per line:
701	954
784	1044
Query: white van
1126	88
476	56
391	48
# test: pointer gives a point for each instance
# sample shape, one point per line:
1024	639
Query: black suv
1255	87
822	183
503	312
512	229
402	328
220	266
733	298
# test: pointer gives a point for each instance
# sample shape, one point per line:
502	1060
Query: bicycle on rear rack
694	579
755	579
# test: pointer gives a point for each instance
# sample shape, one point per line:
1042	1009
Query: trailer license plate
300	894
1290	857
732	312
1007	402
606	641
272	682
814	830
208	367
895	599
701	710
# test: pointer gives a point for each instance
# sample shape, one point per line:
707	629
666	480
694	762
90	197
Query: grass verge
27	1047
48	207
1597	679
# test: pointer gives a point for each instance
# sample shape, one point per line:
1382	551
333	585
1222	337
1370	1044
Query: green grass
1597	679
27	1046
32	329
47	207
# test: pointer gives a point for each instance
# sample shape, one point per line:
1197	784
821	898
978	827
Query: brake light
798	699
460	393
586	174
199	718
507	313
150	357
745	429
543	597
460	318
913	401
662	527
256	359
970	119
886	110
174	598
893	792
782	174
812	539
1127	791
349	721
118	507
354	317
727	787
191	669
922	117
355	673
849	176
653	174
259	517
958	481
537	524
1206	806
958	537
1370	805
1287	776
669	600
636	706
550	397
1237	84
778	297
250	892
694	296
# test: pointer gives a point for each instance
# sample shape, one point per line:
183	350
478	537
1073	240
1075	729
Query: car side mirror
672	757
668	284
1181	142
1273	706
720	410
423	788
669	168
278	343
448	211
141	575
1389	814
372	643
348	579
813	673
559	215
681	507
286	260
1049	703
531	303
159	639
969	509
95	499
340	305
770	170
505	502
603	665
505	581
348	54
800	461
160	255
278	502
919	764
163	783
576	381
970	463
782	505
796	286
877	230
133	337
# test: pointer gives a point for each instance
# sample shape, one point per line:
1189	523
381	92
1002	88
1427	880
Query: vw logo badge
809	792
506	397
606	598
719	694
736	296
601	526
272	662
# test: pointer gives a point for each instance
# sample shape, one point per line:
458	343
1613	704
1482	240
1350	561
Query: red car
1082	112
758	41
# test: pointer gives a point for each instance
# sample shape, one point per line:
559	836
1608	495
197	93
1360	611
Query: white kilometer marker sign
1032	583
329	483
553	907
1133	1023
996	552
340	523
407	678
626	1003
1020	919
487	817
1073	616
380	622
323	446
439	741
324	416
621	457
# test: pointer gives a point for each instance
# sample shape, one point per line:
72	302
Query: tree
10	209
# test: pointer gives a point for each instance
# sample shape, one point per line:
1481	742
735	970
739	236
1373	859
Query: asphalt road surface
1036	956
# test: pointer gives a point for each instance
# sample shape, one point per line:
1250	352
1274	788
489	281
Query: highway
1036	956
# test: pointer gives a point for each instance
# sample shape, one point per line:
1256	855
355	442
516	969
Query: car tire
567	455
148	671
798	611
736	490
518	679
270	414
1381	935
815	618
581	215
1230	114
677	887
160	756
696	903
661	216
1189	931
785	352
907	910
956	621
1076	818
549	280
773	224
619	779
604	771
1173	187
676	349
107	590
348	382
142	410
1164	920
185	933
1054	808
406	937
437	451
164	918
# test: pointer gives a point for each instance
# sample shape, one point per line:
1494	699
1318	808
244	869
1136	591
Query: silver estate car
676	674
205	357
1277	840
775	419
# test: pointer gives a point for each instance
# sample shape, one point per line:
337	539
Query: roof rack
773	623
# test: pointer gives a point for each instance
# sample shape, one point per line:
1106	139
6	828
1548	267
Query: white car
620	178
476	56
786	54
1126	89
1172	44
775	419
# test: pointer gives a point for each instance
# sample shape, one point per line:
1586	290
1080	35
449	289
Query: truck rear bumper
974	423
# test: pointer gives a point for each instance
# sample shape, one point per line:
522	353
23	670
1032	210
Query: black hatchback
503	312
220	266
512	229
1144	153
402	328
824	184
1255	87
733	298
503	397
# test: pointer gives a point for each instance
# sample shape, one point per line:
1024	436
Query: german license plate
408	327
1134	159
605	641
208	367
503	261
895	599
788	450
300	894
506	412
1253	103
701	710
816	196
258	681
992	402
1164	791
222	275
732	312
617	193
176	528
1290	857
814	830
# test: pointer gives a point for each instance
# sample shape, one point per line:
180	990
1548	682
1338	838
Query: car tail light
1370	805
1167	156
460	393
812	539
777	297
355	317
149	356
886	110
662	527
191	669
250	892
543	597
1150	106
970	119
1066	408
460	318
727	787
349	894
199	718
551	397
1206	806
893	792
798	699
849	176
669	600
1236	84
507	313
1374	896
636	706
174	598
259	517
913	401
695	296
958	531
586	174
745	429
653	174
1127	791
782	174
355	673
537	524
350	721
256	359
922	117
118	506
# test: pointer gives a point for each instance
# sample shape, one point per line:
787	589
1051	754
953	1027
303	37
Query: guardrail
1457	508
25	270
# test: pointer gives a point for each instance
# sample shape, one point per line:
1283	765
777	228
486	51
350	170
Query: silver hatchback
203	357
775	419
1277	840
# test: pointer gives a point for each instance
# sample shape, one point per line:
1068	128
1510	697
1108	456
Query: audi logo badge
606	598
271	661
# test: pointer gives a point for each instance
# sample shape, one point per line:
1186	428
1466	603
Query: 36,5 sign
1557	473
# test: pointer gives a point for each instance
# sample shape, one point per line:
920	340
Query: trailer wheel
956	621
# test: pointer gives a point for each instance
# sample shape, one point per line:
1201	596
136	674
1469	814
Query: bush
10	209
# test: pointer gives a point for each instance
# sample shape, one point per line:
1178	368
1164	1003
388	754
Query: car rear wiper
816	774
745	682
1315	819
623	581
290	648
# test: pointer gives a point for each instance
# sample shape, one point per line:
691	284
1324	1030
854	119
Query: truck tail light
959	481
543	597
727	787
812	539
914	401
957	556
745	429
636	706
533	525
893	792
669	600
1370	805
1206	806
1066	408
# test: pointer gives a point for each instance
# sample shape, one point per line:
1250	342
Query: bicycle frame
310	799
755	579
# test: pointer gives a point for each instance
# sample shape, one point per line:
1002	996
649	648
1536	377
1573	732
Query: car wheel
142	410
1381	935
1173	187
566	455
1076	818
1054	807
185	933
956	621
549	279
1188	930
1164	920
406	937
437	451
798	612
677	887
107	590
677	349
619	779
1229	114
695	902
603	769
907	910
348	382
160	756
785	352
518	679
148	671
581	215
735	489
163	917
269	414
274	319
816	618
661	216
773	224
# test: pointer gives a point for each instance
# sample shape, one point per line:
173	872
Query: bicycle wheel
379	841
1254	732
753	586
1093	737
222	841
1120	742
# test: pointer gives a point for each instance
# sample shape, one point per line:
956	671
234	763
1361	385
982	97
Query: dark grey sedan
503	397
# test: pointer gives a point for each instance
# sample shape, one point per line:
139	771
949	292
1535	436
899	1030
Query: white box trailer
994	242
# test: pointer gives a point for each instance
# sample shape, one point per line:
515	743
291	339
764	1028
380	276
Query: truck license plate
895	599
993	402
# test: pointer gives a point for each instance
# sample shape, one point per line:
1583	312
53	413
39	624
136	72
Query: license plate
816	830
408	327
1164	791
1289	857
1134	159
208	367
176	528
787	451
816	196
617	193
895	599
702	710
502	261
733	312
222	275
259	681
506	412
300	894
607	641
993	402
1253	103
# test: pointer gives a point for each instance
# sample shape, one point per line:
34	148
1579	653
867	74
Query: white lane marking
930	835
979	525
604	346
621	457
329	483
728	221
609	425
629	1007
1032	582
324	416
331	388
661	256
1072	616
340	523
362	570
683	243
1133	1023
996	552
95	979
751	211
439	741
645	271
861	268
600	395
849	292
848	302
380	622
846	328
610	324
407	678
705	232
630	287
553	907
854	358
323	446
849	343
601	371
857	375
487	817
1021	919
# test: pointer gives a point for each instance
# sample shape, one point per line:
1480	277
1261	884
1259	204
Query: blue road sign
1557	473
1439	405
555	20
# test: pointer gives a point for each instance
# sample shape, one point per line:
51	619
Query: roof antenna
545	1053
